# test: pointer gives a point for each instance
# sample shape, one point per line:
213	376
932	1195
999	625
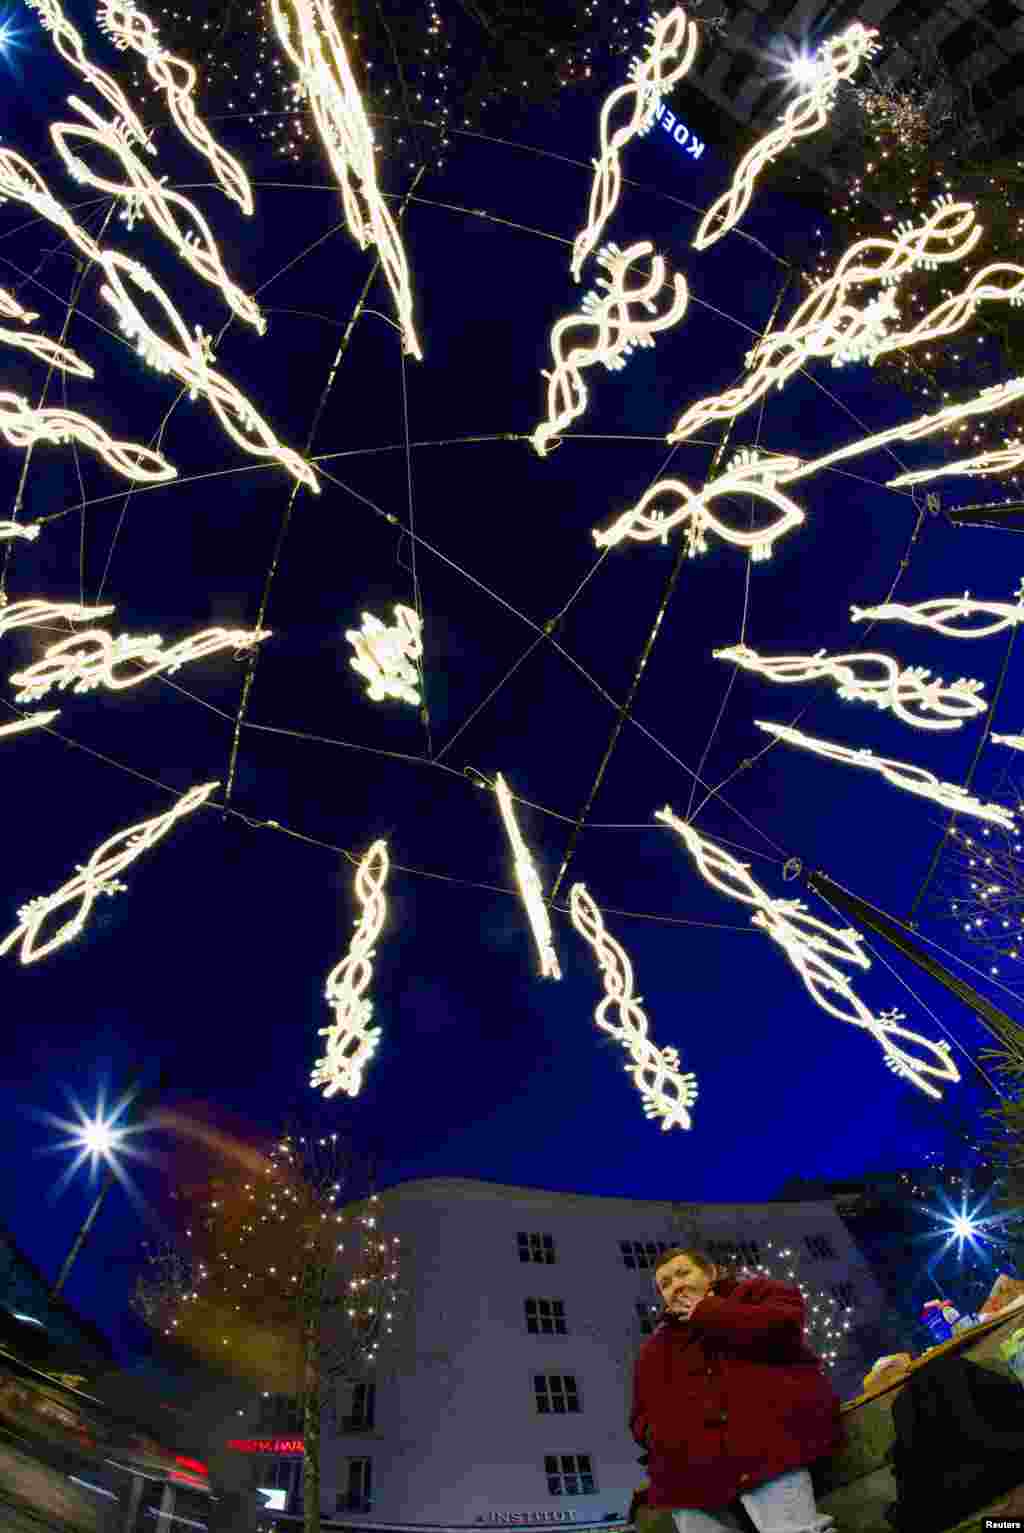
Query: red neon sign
267	1444
190	1463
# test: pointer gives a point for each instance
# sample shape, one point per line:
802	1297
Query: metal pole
83	1234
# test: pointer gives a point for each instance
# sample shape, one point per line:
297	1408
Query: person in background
731	1403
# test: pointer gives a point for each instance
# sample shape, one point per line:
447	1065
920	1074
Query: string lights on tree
85	661
388	657
940	613
529	883
351	1041
982	887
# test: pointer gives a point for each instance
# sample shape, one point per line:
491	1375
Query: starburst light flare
668	58
326	80
387	657
22	425
810	944
940	612
838	59
529	884
895	690
69	45
616	333
902	774
351	1041
29	614
85	661
98	876
666	1091
34	721
127	27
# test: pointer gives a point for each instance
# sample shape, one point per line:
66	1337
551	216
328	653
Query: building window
738	1253
362	1397
569	1474
639	1254
545	1317
819	1248
535	1248
556	1393
282	1474
358	1495
844	1294
648	1314
281	1416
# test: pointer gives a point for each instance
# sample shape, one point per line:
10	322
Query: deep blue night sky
211	968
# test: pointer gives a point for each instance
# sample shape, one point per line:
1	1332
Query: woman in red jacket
731	1403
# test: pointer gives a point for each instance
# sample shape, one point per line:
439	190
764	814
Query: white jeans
782	1505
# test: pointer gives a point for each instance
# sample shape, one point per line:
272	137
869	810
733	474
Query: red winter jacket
731	1397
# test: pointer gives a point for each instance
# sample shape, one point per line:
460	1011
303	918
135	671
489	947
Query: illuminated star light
69	45
126	25
809	944
808	113
939	613
672	50
902	774
667	1093
618	333
96	878
896	690
386	656
23	425
351	1041
326	79
529	884
85	661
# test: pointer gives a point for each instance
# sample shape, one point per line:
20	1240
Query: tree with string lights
981	889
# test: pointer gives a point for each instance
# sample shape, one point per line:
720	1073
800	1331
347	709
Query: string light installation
10	308
647	522
810	944
85	661
69	45
17	530
127	27
668	58
902	774
1015	742
23	425
839	59
997	461
99	876
387	657
351	1041
39	346
29	614
327	82
529	884
941	612
34	721
667	1093
896	691
617	332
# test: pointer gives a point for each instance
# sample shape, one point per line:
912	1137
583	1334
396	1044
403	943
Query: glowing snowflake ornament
529	884
387	657
85	661
351	1041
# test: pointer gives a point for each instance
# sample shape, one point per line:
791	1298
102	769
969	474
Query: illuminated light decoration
16	530
896	691
69	45
902	774
386	656
1015	742
98	876
827	325
20	181
667	1093
142	194
810	944
617	333
668	58
838	59
10	308
999	461
28	614
351	1041
45	350
34	721
23	425
84	661
529	884
746	475
940	612
127	27
327	81
190	361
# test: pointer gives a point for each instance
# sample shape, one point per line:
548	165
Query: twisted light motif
810	944
897	691
672	50
29	614
127	27
616	333
34	721
998	461
45	350
99	876
1015	742
85	661
69	45
351	1041
902	774
142	194
807	113
325	78
940	612
22	425
10	308
21	182
17	530
666	1092
745	475
529	884
387	657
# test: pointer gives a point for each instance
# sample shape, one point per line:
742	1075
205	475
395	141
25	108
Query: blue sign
682	136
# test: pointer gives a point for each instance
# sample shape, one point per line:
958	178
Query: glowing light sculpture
10	308
668	58
896	691
617	332
529	884
666	1091
69	45
22	425
814	949
98	876
127	27
940	612
29	614
351	1041
44	350
325	76
998	461
1015	742
838	59
85	661
16	530
387	657
34	721
902	774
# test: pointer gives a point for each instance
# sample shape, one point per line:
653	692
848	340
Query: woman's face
683	1284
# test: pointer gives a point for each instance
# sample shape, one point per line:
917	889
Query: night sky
209	971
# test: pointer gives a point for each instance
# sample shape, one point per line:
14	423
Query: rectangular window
361	1396
555	1393
844	1294
641	1255
569	1474
358	1494
819	1248
536	1248
545	1317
